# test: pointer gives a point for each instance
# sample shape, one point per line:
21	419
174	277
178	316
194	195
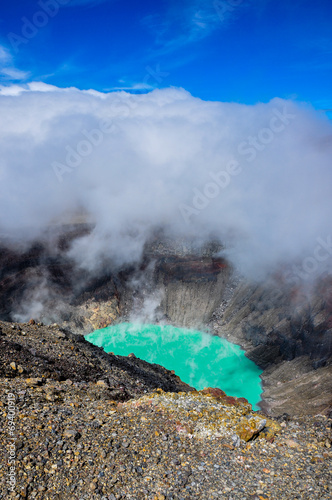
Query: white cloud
33	86
134	87
5	55
163	151
11	90
190	21
8	71
13	74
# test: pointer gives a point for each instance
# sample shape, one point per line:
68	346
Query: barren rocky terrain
95	425
79	423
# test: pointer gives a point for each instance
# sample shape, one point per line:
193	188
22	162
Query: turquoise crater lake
198	358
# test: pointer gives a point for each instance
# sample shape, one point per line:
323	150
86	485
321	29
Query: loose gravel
78	439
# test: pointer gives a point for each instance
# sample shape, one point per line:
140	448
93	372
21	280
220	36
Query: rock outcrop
192	288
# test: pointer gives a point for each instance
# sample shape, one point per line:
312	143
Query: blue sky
233	50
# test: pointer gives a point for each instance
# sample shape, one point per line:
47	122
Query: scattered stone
71	433
291	443
23	491
19	444
102	383
154	444
248	428
236	441
34	381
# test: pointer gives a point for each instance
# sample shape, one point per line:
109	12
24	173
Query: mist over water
198	358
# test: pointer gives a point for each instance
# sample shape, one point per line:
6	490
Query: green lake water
198	358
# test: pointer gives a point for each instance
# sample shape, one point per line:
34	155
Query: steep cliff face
193	288
42	281
177	282
287	333
185	284
280	323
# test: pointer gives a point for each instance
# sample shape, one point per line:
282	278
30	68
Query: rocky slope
39	353
86	424
288	334
279	323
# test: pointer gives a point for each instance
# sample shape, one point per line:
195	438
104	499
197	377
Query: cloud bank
256	177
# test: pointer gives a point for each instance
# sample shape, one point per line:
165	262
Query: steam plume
257	177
